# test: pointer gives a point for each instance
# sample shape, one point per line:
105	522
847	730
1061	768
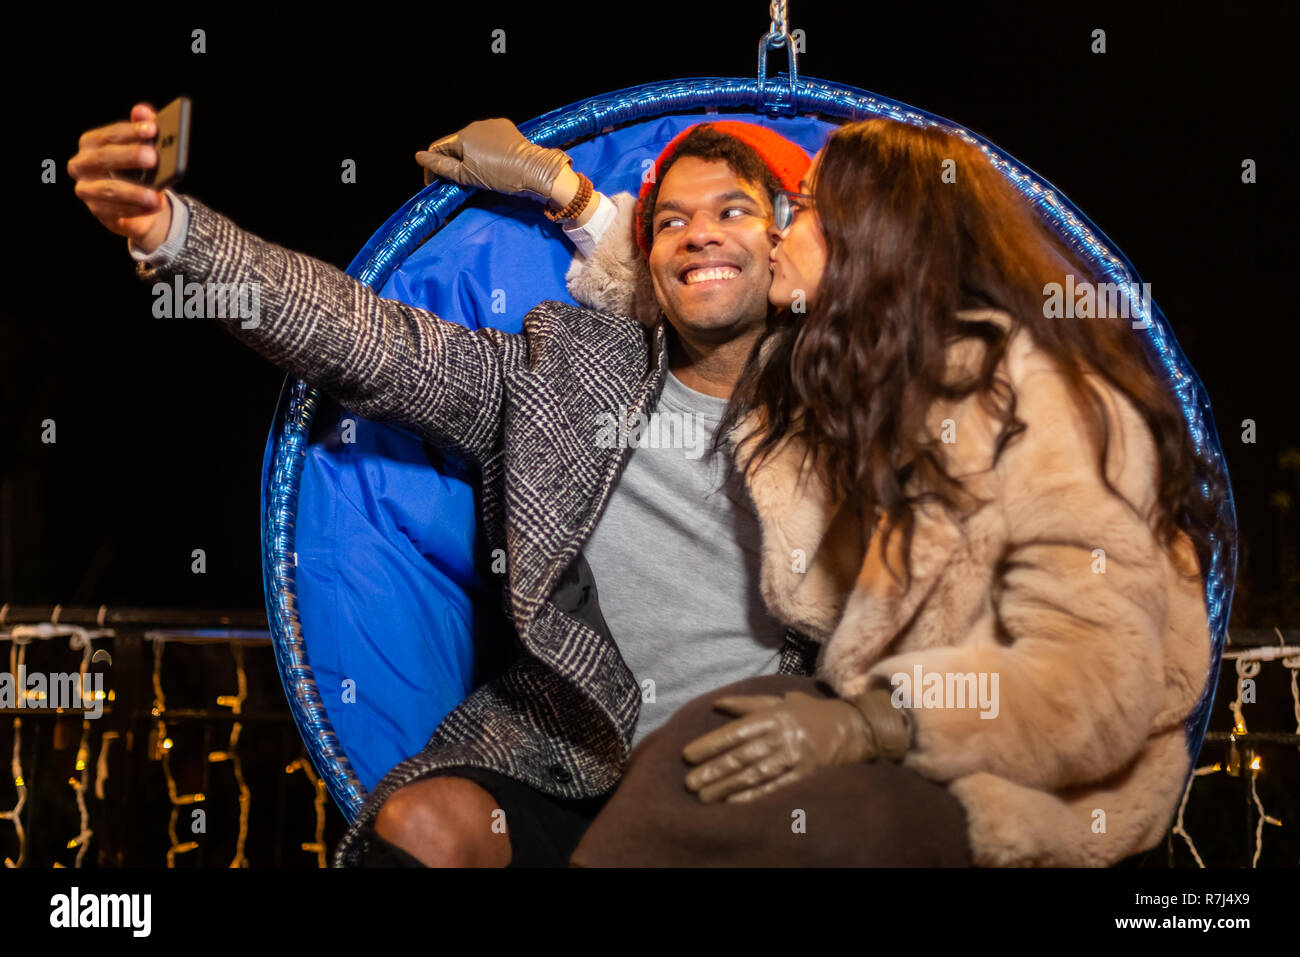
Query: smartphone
173	145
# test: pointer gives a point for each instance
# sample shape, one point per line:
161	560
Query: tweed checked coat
522	409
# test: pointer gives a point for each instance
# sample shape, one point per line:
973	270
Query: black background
161	424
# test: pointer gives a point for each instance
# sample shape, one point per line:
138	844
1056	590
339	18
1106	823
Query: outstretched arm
381	358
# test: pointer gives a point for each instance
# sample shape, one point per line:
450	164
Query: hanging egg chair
371	565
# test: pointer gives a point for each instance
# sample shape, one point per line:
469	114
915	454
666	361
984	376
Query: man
674	549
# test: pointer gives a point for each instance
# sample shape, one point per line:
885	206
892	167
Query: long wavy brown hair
908	248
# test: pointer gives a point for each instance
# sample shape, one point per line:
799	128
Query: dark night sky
161	425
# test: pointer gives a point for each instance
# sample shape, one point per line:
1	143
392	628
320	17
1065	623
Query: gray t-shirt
676	559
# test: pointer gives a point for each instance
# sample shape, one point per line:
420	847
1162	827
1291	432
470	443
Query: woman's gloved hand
493	154
779	739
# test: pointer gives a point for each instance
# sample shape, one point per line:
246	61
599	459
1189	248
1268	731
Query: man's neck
708	368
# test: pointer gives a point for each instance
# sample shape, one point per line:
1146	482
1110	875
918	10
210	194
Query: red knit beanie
787	161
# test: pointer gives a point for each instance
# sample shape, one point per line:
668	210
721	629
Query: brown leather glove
779	739
493	154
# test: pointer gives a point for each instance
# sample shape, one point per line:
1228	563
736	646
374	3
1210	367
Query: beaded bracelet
576	205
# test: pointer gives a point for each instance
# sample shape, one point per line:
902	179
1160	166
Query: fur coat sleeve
615	278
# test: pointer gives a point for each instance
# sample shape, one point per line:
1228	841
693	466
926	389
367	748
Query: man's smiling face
711	246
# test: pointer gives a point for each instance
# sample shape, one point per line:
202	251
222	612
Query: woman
1010	620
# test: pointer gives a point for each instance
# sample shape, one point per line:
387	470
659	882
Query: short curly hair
708	143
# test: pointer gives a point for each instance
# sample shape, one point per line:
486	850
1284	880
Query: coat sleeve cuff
587	236
175	241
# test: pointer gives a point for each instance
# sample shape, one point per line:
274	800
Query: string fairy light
1293	663
1263	816
162	752
317	845
81	640
101	765
235	703
19	637
1248	663
17	658
1182	806
235	641
1247	670
78	783
161	744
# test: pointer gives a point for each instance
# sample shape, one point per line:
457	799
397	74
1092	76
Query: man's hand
128	209
779	739
493	154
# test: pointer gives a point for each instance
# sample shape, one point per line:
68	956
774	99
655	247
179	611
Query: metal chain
780	19
777	99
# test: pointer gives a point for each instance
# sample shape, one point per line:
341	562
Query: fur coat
1091	640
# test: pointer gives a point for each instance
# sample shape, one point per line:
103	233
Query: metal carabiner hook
775	98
